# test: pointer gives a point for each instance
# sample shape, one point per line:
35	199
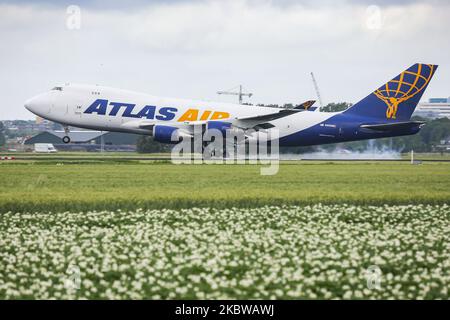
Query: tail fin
305	105
397	99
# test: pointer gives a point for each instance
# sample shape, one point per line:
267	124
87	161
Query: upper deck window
57	88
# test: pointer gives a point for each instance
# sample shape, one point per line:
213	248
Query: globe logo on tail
405	86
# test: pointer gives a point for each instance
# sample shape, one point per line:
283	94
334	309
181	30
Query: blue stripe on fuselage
340	128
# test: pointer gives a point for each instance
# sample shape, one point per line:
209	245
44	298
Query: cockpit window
57	88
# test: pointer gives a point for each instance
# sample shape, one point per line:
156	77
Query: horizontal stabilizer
395	126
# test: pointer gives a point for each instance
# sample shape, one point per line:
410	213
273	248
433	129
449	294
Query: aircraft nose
38	105
29	105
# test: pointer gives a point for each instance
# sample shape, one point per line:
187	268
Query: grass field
82	186
135	229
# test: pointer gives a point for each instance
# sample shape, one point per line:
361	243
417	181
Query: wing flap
271	116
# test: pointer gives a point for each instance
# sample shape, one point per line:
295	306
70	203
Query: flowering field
320	251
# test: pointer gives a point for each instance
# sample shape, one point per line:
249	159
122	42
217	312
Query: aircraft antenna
316	87
239	93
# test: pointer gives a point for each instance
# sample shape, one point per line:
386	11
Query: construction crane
240	93
316	87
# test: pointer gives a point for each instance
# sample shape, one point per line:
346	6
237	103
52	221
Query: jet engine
169	134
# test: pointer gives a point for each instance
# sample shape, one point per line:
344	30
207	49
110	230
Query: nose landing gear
66	138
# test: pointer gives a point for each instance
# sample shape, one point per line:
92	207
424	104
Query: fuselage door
77	108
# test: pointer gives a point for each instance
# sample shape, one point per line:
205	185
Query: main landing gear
66	138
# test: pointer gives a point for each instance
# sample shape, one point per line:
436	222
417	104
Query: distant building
27	127
444	145
434	108
87	140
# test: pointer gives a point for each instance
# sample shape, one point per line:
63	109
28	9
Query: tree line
2	135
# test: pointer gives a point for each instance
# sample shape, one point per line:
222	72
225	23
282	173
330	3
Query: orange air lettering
189	115
205	115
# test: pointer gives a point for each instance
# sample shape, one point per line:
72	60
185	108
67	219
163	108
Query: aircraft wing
261	121
282	112
272	116
258	121
253	121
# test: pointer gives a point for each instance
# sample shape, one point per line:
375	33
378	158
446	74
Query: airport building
433	109
87	140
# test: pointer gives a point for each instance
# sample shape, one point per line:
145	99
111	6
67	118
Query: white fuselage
103	108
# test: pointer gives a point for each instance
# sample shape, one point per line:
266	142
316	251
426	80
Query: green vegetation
59	186
102	229
2	134
336	107
84	156
146	144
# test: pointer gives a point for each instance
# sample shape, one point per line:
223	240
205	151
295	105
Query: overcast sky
191	49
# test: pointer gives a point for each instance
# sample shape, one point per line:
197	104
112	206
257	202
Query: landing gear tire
66	139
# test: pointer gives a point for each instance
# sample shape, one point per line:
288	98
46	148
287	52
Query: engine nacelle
219	125
168	134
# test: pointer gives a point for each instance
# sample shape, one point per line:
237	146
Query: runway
165	159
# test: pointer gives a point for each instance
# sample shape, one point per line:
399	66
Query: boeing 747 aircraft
386	112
